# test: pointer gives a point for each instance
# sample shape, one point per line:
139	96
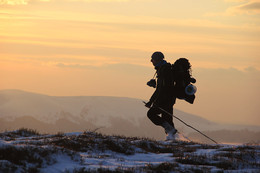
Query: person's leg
165	121
153	115
168	116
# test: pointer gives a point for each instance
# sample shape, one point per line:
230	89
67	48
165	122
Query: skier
163	96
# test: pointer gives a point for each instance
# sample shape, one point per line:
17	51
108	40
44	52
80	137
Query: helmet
158	56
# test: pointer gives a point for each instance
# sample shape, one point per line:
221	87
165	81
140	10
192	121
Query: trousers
154	115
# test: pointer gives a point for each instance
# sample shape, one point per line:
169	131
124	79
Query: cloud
19	2
100	0
62	65
248	7
25	2
14	2
234	0
251	7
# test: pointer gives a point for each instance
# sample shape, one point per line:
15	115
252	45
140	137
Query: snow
64	163
3	143
74	134
92	152
107	160
115	160
206	151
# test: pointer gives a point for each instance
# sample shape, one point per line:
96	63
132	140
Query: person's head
157	57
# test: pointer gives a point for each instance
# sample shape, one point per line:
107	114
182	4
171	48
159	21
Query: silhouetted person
162	96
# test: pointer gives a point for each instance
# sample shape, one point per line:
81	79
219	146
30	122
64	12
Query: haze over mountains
109	115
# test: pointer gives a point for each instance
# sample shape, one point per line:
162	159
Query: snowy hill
25	150
112	115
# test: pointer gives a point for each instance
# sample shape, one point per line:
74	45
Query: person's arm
153	98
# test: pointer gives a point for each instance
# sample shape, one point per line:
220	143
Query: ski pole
184	123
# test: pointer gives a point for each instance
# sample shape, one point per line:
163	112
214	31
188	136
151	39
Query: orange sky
103	47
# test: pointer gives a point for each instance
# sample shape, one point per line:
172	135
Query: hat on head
158	56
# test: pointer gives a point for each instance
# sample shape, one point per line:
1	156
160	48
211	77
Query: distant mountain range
109	115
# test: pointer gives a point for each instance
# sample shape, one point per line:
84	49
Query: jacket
163	94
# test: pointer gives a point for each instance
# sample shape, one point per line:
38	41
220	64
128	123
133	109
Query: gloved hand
192	80
148	104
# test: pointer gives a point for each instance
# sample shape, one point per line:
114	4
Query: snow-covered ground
26	151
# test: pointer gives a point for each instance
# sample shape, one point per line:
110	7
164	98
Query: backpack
181	73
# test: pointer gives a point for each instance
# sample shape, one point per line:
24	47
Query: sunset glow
103	47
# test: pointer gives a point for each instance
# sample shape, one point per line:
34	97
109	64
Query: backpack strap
154	74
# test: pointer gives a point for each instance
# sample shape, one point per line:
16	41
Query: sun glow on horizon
103	47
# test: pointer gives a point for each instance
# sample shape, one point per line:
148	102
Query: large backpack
181	72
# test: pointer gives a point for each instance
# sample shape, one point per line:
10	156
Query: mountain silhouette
109	115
